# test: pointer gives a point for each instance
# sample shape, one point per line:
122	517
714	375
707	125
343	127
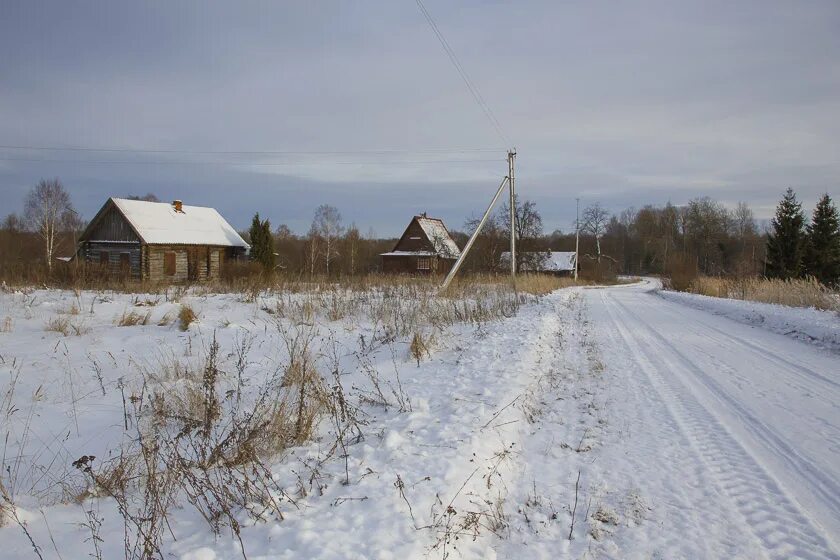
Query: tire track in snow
782	528
762	351
616	473
827	488
692	521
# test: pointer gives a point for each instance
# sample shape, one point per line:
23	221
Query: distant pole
577	235
512	185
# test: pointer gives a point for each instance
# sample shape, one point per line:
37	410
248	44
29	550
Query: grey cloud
622	103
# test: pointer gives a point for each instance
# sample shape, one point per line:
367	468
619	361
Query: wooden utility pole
473	237
509	181
577	236
512	185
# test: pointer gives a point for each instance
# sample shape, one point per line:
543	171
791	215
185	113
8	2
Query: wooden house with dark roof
424	248
158	241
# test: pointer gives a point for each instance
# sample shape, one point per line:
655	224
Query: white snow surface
409	254
159	223
808	324
596	423
555	261
440	238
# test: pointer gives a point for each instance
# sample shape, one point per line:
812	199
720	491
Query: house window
104	258
424	263
125	263
169	263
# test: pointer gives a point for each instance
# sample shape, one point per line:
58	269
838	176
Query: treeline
702	237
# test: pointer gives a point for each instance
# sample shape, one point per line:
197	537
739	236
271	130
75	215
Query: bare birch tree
595	221
351	242
48	211
327	223
313	241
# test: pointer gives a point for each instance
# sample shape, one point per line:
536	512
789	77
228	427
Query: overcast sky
625	103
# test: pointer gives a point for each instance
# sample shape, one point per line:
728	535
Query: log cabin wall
410	264
206	262
115	258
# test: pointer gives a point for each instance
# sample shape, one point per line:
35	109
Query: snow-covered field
588	423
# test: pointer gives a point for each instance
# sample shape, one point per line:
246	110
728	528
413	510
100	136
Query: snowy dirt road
732	432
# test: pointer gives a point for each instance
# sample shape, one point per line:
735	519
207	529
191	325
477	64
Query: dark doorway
192	264
198	260
125	264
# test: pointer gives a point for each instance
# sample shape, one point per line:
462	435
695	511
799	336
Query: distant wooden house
558	263
158	241
425	248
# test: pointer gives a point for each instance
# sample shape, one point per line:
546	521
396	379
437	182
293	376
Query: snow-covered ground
807	324
595	423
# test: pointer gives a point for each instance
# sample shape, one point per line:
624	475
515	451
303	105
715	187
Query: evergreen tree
262	242
268	239
822	252
786	244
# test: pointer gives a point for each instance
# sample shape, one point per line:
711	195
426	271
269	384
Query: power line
246	152
464	76
249	163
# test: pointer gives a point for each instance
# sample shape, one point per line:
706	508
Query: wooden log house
424	248
158	241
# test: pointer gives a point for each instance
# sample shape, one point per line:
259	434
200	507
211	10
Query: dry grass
6	325
66	326
793	293
202	439
5	505
58	324
419	348
132	318
166	319
186	316
540	284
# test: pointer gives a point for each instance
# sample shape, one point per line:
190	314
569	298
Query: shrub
418	348
186	316
681	271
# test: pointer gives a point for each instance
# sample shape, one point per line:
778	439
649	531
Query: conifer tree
786	243
822	252
262	242
268	239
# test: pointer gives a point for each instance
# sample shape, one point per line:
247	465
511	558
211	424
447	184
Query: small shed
560	263
424	248
159	241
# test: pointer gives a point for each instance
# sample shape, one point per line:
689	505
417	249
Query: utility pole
577	235
508	180
512	186
454	270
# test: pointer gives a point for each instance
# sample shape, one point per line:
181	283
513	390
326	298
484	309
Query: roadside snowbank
821	328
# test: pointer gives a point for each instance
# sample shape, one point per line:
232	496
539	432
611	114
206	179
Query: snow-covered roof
158	223
409	254
437	233
553	261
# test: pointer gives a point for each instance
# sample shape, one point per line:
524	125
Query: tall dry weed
794	293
